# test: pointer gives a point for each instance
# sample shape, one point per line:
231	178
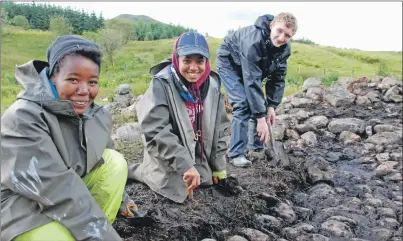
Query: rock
290	233
385	168
329	135
301	102
253	234
237	238
393	94
269	222
303	213
129	112
310	138
373	96
129	132
358	239
396	177
287	121
321	190
315	91
373	202
123	89
285	212
208	239
278	132
318	121
292	134
396	156
302	128
386	128
348	221
346	82
386	212
362	100
333	156
379	149
374	122
124	100
300	114
385	138
369	146
336	228
347	124
105	100
314	237
338	96
388	82
349	137
381	234
382	157
311	82
361	189
304	227
389	223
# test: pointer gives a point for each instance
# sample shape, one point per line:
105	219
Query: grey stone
301	102
310	138
253	234
362	100
396	156
347	124
292	134
318	121
382	157
302	128
338	96
393	177
269	222
386	128
237	238
348	221
385	138
381	234
129	132
389	223
285	212
123	89
386	168
311	82
349	138
336	228
374	202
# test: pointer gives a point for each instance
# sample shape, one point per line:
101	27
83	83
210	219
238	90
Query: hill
135	58
138	18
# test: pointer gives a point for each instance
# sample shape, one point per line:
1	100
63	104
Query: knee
115	161
241	109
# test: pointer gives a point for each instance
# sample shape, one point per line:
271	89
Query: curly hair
289	19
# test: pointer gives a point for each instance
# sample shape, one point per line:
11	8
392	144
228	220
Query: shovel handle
271	135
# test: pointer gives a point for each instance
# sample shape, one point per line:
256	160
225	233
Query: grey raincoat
253	58
46	149
170	148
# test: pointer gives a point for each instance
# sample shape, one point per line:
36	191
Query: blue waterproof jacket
254	58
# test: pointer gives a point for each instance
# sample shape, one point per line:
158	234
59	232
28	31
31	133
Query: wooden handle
271	135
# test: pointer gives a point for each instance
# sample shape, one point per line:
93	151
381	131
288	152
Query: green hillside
135	58
137	18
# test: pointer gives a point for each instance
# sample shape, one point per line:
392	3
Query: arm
160	140
276	84
33	168
250	55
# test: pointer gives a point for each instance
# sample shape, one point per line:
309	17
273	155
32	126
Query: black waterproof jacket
254	58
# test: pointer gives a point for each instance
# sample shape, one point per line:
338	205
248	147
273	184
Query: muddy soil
340	186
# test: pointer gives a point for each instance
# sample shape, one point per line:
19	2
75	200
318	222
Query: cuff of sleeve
184	166
260	115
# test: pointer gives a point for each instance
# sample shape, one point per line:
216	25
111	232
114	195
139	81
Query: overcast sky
364	25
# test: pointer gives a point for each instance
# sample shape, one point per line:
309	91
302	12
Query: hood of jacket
33	76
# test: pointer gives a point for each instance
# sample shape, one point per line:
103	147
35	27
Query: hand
271	116
192	178
262	129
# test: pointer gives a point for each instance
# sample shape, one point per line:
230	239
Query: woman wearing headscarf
183	120
60	177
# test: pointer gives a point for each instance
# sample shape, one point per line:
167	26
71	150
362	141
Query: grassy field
134	60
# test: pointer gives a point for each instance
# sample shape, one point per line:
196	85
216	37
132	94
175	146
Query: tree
59	26
20	21
92	36
149	36
110	41
3	16
124	26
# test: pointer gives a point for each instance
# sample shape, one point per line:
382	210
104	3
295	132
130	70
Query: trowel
275	151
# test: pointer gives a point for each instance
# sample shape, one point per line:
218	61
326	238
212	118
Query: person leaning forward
244	59
60	177
183	119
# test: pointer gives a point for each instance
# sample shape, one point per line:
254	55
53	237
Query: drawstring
198	127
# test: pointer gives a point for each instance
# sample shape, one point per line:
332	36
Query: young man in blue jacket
245	58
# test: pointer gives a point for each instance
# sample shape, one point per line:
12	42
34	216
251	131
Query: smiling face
280	34
192	67
77	81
